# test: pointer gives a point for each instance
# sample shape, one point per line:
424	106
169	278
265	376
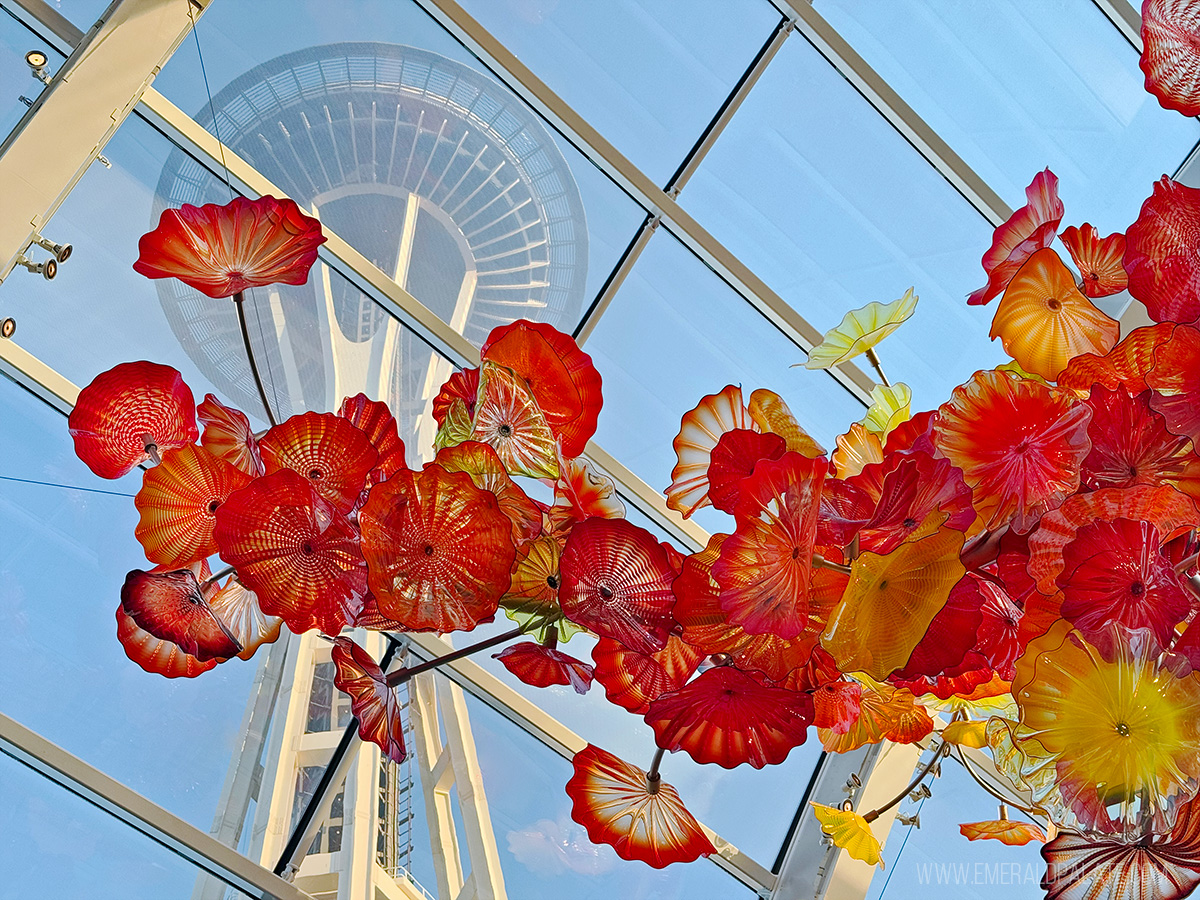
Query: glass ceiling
457	180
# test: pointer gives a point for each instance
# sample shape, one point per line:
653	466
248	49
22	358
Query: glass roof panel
81	13
833	209
412	152
935	859
58	845
674	333
1014	87
647	75
543	853
63	557
16	76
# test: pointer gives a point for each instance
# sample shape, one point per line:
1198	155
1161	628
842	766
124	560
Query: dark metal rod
238	301
402	675
335	770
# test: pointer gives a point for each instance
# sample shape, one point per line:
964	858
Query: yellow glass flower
966	734
850	831
890	601
1123	732
773	415
889	408
860	330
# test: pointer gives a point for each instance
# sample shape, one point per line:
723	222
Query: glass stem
925	770
238	301
653	779
873	359
216	576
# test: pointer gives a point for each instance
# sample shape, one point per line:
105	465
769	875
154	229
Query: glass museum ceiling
718	182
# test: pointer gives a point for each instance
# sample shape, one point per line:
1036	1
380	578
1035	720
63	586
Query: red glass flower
461	387
765	566
375	420
374	704
616	580
295	551
1030	228
1115	572
1099	261
543	666
905	488
1125	365
223	250
178	503
639	818
1170	33
438	548
1019	444
327	450
727	717
1131	445
733	459
561	376
238	610
155	655
128	409
1161	256
171	605
580	493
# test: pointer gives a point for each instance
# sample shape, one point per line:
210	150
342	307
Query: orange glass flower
1015	834
178	503
639	818
439	549
884	713
699	432
1019	444
1044	321
1098	261
580	493
376	421
325	449
223	250
1124	731
128	409
1125	365
238	609
771	414
375	705
856	449
1030	228
1175	379
487	472
155	655
227	434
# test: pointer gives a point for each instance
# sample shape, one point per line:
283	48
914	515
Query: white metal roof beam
440	335
899	114
167	829
1126	18
639	186
82	107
